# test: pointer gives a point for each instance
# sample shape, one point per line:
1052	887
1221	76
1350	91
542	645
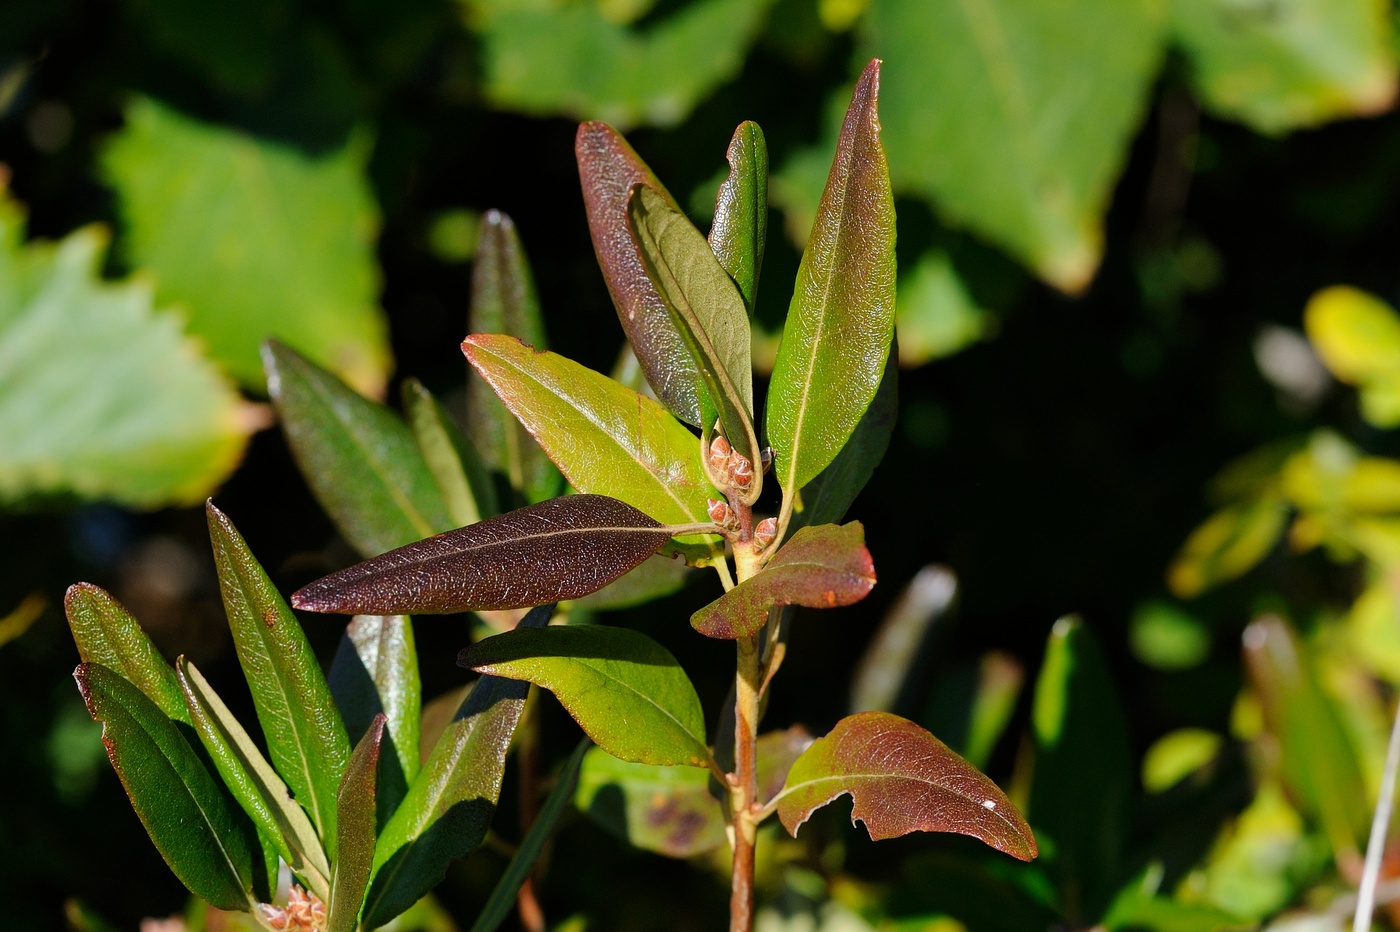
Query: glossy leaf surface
820	567
668	810
355	823
357	456
106	633
207	843
902	779
841	320
460	477
305	736
563	548
740	228
625	690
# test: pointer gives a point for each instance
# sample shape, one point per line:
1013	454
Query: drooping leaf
1015	118
560	549
740	228
1358	337
902	779
355	821
820	567
254	239
1229	544
106	633
1288	65
252	781
305	736
841	320
668	810
207	843
357	456
625	690
461	478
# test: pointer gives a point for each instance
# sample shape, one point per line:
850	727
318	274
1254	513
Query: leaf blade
106	633
355	822
740	228
449	456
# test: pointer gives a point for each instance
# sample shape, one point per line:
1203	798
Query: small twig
1375	846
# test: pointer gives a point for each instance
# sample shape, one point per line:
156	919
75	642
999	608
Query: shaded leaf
820	567
972	705
885	666
357	456
902	779
668	810
1229	544
935	316
461	478
839	326
740	228
654	577
1358	337
106	633
355	821
625	690
775	753
560	549
206	842
984	892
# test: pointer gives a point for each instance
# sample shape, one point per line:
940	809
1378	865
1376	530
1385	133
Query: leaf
1015	119
560	549
458	474
889	659
841	320
1358	337
253	782
1177	755
655	577
740	228
625	690
503	895
101	396
667	810
978	892
358	457
1288	65
902	779
254	238
355	809
207	843
1134	910
1229	544
106	633
305	737
934	315
820	567
449	807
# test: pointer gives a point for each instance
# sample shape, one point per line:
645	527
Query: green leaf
1015	118
656	576
1177	755
1288	65
206	842
1135	910
448	808
667	810
625	690
1229	544
106	633
101	396
839	326
892	653
980	893
254	239
934	315
355	820
459	475
305	737
820	567
902	779
1358	337
253	782
740	229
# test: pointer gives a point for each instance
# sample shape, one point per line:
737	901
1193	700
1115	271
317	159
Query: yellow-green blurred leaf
1164	636
1227	545
1176	755
1358	337
1373	630
934	314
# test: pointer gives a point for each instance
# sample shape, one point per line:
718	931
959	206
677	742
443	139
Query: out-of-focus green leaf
1358	337
1164	636
841	320
740	229
1015	118
657	576
972	706
355	821
460	477
100	395
19	620
1226	546
549	59
625	690
934	314
1291	64
305	736
668	810
106	633
1373	630
226	44
206	842
885	666
358	457
1134	910
254	239
977	894
1176	755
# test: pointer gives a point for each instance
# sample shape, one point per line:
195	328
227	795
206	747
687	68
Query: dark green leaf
358	457
655	577
986	892
837	336
461	479
206	842
1135	910
305	737
740	228
668	810
560	549
625	690
106	633
355	820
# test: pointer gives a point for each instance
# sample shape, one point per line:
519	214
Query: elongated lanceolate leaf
902	779
560	549
106	633
358	457
740	229
460	477
207	843
625	690
609	170
448	808
355	822
841	320
821	567
305	736
257	787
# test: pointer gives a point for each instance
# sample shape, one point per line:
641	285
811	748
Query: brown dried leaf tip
304	912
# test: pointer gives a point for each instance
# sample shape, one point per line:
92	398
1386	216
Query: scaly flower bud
719	512
765	532
740	470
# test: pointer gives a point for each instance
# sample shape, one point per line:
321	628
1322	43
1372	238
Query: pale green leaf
106	633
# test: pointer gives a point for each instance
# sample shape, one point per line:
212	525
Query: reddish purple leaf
820	567
902	779
563	548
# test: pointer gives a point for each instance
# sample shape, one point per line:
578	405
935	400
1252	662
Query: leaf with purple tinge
902	779
668	810
106	633
563	548
740	229
820	567
355	805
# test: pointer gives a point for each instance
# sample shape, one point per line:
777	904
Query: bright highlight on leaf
1358	337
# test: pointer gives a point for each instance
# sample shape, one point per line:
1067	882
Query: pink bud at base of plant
765	532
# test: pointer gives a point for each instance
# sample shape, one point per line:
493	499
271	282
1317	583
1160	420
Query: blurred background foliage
1132	391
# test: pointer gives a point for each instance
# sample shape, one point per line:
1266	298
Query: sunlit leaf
740	228
1176	755
461	478
1373	629
106	633
355	822
1358	337
668	810
885	666
560	549
1164	636
1229	544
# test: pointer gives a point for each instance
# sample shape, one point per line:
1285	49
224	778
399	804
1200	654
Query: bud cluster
729	467
304	912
